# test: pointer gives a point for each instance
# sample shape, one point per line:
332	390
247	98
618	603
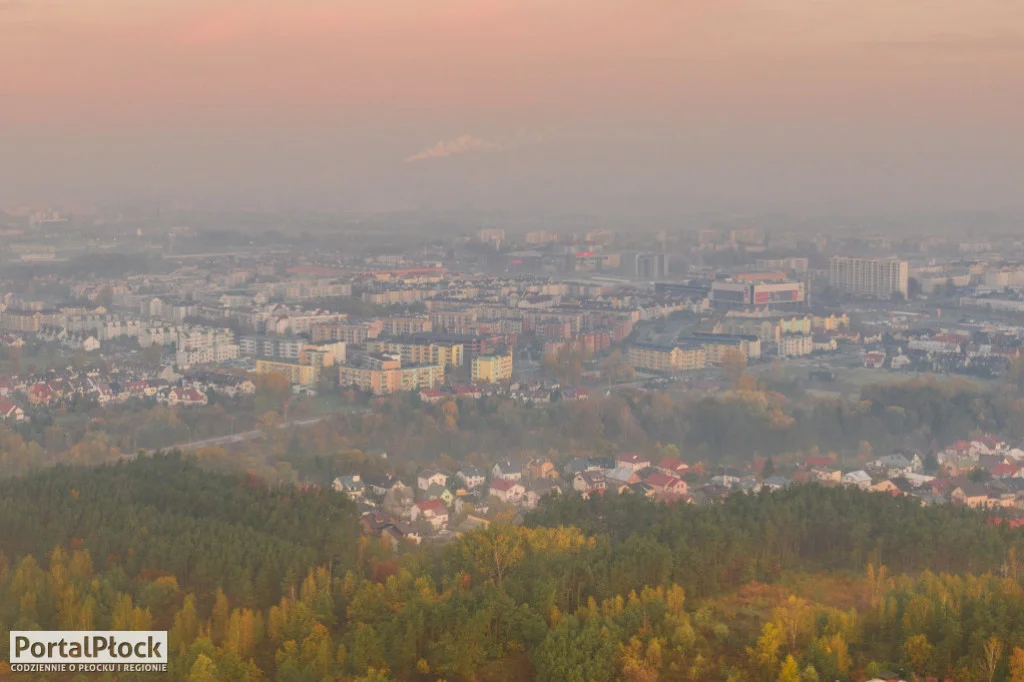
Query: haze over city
602	105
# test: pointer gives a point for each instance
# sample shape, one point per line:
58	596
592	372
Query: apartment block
678	358
871	277
490	369
302	375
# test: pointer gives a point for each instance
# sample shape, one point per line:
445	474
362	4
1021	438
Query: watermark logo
88	651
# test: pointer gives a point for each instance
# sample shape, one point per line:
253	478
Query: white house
506	490
471	477
428	477
506	471
859	479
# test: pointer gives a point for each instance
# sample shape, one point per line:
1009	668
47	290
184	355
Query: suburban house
622	475
434	511
540	489
506	490
10	411
634	461
970	494
506	471
897	465
352	486
439	492
673	466
859	479
540	468
664	484
587	482
826	475
429	477
471	477
382	485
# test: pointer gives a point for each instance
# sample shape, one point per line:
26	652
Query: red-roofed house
1004	470
431	395
663	483
673	466
506	491
634	461
10	411
40	394
433	511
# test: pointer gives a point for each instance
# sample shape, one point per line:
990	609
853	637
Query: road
239	437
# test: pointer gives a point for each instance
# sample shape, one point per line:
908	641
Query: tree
734	364
790	671
917	652
991	654
1017	665
495	550
769	469
203	670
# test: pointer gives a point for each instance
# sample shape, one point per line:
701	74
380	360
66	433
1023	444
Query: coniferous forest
257	582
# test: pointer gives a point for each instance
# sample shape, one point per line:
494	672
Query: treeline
762	587
730	428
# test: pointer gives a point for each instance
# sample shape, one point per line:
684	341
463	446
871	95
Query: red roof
1003	469
673	464
502	484
662	481
435	507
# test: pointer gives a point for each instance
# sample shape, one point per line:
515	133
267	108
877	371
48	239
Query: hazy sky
567	103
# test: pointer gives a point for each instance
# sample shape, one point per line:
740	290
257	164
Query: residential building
871	277
429	477
433	511
492	369
300	375
507	491
657	358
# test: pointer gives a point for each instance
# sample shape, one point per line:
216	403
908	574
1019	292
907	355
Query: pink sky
395	77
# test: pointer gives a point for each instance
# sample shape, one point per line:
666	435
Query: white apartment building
202	345
873	277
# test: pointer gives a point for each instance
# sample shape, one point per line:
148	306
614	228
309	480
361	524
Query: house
776	483
633	460
433	511
431	395
429	477
662	483
587	482
897	465
404	531
352	486
506	471
10	412
826	475
639	488
382	485
580	464
540	468
970	494
886	486
439	492
471	477
507	491
186	397
672	466
725	480
859	479
538	490
622	475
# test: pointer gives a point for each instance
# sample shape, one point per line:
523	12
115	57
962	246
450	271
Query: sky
591	105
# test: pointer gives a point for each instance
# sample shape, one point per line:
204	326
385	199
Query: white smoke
466	144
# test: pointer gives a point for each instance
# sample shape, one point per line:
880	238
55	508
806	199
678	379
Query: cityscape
511	340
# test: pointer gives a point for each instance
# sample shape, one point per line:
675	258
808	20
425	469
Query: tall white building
874	277
201	345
